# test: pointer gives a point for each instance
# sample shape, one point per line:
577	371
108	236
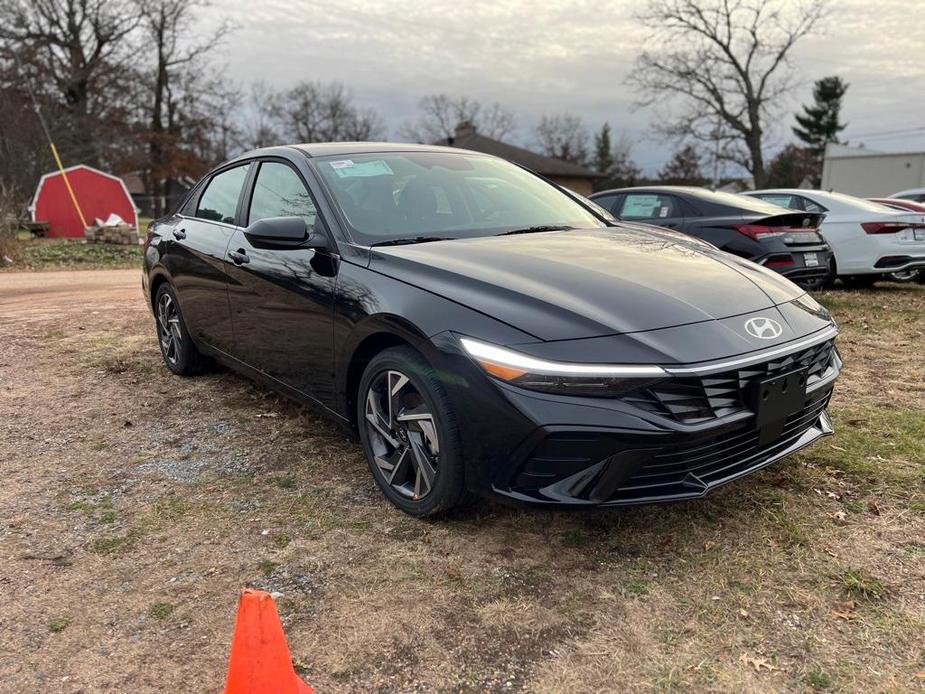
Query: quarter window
279	192
220	199
605	201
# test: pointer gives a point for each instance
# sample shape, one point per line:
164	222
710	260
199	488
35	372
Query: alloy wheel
168	328
403	434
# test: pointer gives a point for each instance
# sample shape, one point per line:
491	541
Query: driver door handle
239	257
179	233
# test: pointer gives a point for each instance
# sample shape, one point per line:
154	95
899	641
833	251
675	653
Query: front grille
693	467
703	398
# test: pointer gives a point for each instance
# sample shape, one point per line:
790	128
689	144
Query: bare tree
727	63
325	112
79	42
176	70
563	136
440	114
259	122
75	55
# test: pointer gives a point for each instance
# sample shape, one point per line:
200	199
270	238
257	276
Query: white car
914	194
868	240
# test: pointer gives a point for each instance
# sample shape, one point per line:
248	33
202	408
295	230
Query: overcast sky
557	55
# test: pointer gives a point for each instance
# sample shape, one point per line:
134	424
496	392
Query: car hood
588	283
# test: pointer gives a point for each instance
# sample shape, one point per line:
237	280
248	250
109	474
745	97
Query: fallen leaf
832	495
757	663
708	545
837	448
840	517
873	507
743	614
845	611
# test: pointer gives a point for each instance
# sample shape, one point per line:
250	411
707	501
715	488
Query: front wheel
409	433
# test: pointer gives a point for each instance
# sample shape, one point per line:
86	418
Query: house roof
467	138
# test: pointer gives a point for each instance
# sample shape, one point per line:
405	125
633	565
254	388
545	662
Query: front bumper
661	445
597	467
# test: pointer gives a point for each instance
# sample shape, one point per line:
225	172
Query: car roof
910	191
705	195
830	199
667	189
339	149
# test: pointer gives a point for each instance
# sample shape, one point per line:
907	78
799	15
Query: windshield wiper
412	239
538	228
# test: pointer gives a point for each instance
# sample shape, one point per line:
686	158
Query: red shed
99	195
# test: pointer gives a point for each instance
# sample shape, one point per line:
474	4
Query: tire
920	278
177	349
408	445
859	281
904	276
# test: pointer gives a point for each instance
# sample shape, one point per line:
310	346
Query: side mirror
283	232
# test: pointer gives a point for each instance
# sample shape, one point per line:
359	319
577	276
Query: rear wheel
177	348
409	433
904	276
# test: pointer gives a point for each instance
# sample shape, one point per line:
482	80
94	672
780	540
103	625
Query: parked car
910	206
868	240
484	332
786	242
914	194
900	204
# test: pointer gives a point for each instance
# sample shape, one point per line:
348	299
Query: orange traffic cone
260	662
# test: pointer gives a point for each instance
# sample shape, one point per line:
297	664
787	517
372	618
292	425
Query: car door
652	208
282	298
197	256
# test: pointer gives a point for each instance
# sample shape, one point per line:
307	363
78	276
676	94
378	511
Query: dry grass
136	504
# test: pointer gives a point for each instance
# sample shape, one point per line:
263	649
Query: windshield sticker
351	169
640	206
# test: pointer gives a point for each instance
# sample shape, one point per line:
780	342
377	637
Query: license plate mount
776	398
811	259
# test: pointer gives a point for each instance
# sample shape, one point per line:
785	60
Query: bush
9	224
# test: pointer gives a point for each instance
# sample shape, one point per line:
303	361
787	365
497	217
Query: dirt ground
135	504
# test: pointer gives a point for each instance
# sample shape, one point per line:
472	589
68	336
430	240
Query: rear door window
219	201
652	206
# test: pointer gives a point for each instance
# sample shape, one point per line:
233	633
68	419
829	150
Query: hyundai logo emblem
763	328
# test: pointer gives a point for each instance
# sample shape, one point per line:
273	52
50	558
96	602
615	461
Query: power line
891	133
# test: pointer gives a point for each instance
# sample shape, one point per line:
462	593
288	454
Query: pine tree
819	124
603	151
683	169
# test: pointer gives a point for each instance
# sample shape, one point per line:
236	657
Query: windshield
399	195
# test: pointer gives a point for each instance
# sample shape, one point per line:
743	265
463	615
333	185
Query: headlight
522	370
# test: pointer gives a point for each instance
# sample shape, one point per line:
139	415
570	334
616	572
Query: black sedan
787	242
485	332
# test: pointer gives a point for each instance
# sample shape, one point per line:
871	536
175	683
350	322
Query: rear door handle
239	257
179	233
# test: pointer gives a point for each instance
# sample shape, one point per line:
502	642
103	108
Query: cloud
550	56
